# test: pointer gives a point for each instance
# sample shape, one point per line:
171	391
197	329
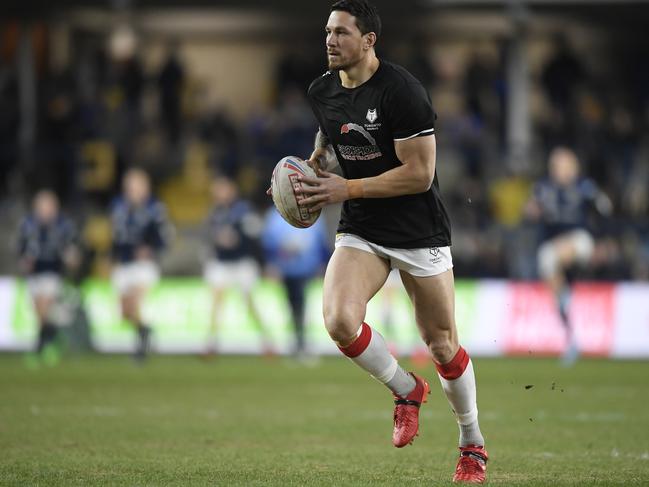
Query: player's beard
336	65
342	63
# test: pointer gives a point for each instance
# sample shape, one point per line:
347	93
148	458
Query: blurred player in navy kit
234	229
562	203
377	120
140	233
47	249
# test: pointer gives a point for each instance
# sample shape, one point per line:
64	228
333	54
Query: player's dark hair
367	16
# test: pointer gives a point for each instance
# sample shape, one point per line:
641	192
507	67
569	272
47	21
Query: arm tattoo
321	140
327	161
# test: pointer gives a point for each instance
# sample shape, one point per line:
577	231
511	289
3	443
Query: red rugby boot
406	413
472	465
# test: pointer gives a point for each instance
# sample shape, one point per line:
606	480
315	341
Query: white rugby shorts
243	274
582	243
45	284
136	274
421	262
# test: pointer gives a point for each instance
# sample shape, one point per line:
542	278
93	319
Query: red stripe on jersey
456	367
360	344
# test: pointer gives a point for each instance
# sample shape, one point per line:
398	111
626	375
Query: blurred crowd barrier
495	318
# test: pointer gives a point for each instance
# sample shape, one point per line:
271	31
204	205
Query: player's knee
342	322
442	348
128	314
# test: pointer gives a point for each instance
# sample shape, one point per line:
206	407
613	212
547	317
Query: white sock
370	352
458	382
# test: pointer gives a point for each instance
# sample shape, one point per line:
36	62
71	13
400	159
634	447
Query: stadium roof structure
623	14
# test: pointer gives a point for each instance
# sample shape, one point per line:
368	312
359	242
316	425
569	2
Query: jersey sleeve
410	111
70	233
588	189
158	234
311	97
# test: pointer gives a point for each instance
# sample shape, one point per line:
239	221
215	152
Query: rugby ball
283	183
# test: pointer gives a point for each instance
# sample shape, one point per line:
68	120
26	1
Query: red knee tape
455	368
360	344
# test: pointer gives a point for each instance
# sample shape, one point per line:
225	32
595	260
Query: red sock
359	345
456	367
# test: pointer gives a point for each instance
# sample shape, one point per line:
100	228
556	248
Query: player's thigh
353	276
131	300
433	299
575	248
128	303
42	304
566	251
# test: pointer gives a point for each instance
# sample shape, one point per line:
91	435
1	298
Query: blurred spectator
299	67
296	255
562	75
218	129
46	249
289	129
170	84
234	229
418	62
9	123
58	135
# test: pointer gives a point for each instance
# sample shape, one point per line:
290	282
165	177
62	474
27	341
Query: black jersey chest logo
351	150
371	115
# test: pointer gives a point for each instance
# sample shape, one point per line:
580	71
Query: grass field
252	421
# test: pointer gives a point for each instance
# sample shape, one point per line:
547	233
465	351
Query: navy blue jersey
233	231
137	226
564	208
45	243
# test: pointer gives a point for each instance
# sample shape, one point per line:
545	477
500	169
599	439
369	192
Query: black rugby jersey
363	124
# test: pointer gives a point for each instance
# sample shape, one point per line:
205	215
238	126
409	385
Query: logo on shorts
371	115
437	258
434	251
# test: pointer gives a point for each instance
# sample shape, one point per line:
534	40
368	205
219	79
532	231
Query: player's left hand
325	190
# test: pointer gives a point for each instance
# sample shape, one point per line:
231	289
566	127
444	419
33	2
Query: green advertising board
179	311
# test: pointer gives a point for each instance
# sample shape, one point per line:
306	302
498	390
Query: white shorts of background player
582	243
137	274
242	274
45	284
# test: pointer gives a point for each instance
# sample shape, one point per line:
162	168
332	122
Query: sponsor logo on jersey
358	153
371	115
